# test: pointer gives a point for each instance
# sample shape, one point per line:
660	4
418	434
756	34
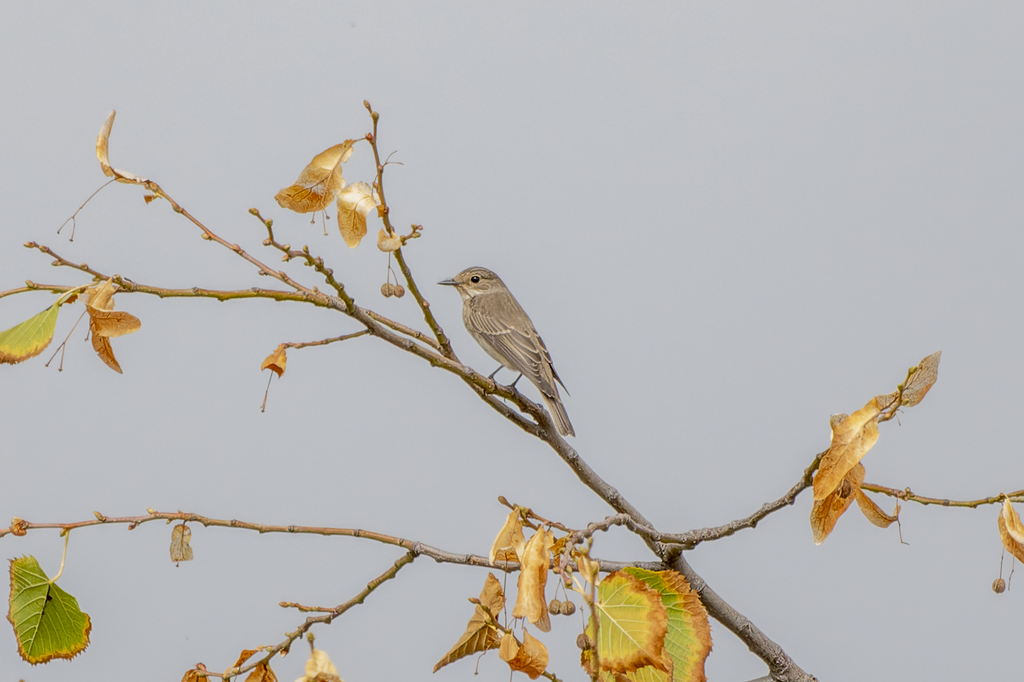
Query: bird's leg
513	384
491	375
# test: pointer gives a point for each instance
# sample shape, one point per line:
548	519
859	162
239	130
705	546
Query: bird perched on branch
494	318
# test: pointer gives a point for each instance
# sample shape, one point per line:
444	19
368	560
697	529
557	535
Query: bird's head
474	281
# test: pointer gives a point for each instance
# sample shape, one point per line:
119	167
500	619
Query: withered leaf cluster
105	323
840	474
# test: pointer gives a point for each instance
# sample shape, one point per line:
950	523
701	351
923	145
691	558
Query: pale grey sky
727	220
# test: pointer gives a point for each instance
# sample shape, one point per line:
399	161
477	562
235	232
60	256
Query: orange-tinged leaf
826	512
354	203
112	323
851	440
688	638
276	361
101	344
319	183
633	623
480	634
531	657
261	673
181	548
243	657
510	542
102	143
105	323
873	513
533	576
388	243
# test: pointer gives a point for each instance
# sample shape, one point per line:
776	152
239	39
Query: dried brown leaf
354	203
262	673
480	634
851	440
874	513
531	657
509	647
101	344
921	379
510	541
102	143
181	547
533	575
112	323
826	512
319	183
276	361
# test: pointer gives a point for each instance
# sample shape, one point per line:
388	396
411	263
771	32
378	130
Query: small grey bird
494	318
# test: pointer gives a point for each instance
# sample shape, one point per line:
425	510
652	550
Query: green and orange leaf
48	622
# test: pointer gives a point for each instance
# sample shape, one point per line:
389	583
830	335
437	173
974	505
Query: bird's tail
559	415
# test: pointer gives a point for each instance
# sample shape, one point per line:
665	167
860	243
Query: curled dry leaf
533	577
354	203
386	243
531	657
276	361
851	439
509	647
319	668
1011	531
102	143
826	512
319	183
106	323
874	513
480	634
509	544
181	546
261	673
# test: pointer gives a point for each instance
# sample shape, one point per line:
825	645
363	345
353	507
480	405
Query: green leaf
30	338
688	640
47	621
632	626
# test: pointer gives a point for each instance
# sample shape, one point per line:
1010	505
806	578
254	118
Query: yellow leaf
533	576
354	203
319	668
510	541
480	634
386	243
319	183
276	361
633	623
874	513
852	437
826	512
1012	522
102	142
181	547
531	657
509	647
29	338
1009	542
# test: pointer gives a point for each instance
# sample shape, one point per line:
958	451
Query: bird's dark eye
474	279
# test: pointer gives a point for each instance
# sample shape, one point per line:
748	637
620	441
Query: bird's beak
449	282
